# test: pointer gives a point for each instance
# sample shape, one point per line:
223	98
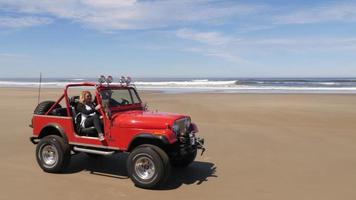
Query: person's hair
82	96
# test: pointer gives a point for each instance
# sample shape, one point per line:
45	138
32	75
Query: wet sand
259	146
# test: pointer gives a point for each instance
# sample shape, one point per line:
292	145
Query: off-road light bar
102	79
125	80
109	79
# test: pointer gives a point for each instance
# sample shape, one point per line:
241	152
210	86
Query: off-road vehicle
155	141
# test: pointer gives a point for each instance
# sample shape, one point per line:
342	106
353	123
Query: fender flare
55	126
163	139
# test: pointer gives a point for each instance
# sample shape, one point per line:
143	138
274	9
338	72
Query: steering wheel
124	101
113	102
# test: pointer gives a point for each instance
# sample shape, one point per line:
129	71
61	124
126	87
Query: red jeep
154	140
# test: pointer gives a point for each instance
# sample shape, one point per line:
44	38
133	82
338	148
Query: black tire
150	159
184	161
53	154
93	155
165	159
44	106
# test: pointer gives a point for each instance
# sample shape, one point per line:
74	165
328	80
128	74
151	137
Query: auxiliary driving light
125	80
109	79
101	79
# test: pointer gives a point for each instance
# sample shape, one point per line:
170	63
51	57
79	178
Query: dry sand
259	146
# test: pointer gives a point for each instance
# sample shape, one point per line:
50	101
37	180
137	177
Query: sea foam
215	85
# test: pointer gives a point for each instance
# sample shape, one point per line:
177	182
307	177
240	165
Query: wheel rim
49	155
145	168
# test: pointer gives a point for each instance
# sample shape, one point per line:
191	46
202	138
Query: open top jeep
154	140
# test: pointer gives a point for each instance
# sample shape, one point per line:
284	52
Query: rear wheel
148	166
53	154
44	106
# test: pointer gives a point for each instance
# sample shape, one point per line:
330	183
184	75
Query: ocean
215	85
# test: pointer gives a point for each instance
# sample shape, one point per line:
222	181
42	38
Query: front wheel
184	161
53	154
147	166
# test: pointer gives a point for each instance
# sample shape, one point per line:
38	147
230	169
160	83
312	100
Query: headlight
187	123
181	126
175	128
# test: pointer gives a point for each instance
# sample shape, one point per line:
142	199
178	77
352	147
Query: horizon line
183	77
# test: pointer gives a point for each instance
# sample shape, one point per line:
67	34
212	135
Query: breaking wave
213	85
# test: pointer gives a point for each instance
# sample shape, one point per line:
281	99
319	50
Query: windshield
119	97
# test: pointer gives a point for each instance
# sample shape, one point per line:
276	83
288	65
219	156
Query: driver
90	116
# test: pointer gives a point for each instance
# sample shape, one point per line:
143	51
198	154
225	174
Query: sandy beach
259	146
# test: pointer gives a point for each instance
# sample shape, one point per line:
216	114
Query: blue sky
185	38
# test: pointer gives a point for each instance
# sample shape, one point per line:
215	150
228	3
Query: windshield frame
133	106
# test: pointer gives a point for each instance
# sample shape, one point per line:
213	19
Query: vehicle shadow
196	173
114	166
111	166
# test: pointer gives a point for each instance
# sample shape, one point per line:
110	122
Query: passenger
105	100
90	116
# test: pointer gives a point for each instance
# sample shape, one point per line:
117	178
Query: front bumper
200	144
189	143
34	140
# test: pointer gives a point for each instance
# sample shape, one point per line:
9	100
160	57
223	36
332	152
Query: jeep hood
144	119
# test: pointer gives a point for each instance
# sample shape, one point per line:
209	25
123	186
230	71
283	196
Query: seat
90	131
77	118
59	112
73	102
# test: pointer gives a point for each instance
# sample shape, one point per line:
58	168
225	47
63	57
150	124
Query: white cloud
217	53
109	3
210	38
111	15
13	57
21	22
229	48
132	14
304	43
218	40
212	44
326	13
